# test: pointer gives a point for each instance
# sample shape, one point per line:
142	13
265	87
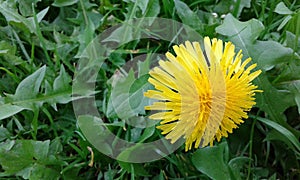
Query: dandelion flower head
202	95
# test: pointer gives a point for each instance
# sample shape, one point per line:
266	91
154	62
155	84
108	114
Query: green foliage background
41	41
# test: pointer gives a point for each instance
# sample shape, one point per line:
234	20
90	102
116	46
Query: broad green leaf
292	85
282	9
62	3
285	132
62	82
4	133
85	37
28	159
143	67
28	95
127	99
142	4
22	155
242	4
12	16
40	16
141	9
210	161
135	133
289	78
236	165
29	87
8	52
119	100
274	135
261	53
187	16
273	101
7	110
244	35
61	89
137	100
153	9
148	132
25	7
25	92
122	34
39	171
293	42
56	146
242	32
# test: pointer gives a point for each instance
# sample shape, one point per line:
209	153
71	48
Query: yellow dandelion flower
202	95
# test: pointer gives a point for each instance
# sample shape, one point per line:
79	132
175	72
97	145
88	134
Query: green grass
41	43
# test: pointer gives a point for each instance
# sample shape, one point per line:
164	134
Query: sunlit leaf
187	16
282	9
